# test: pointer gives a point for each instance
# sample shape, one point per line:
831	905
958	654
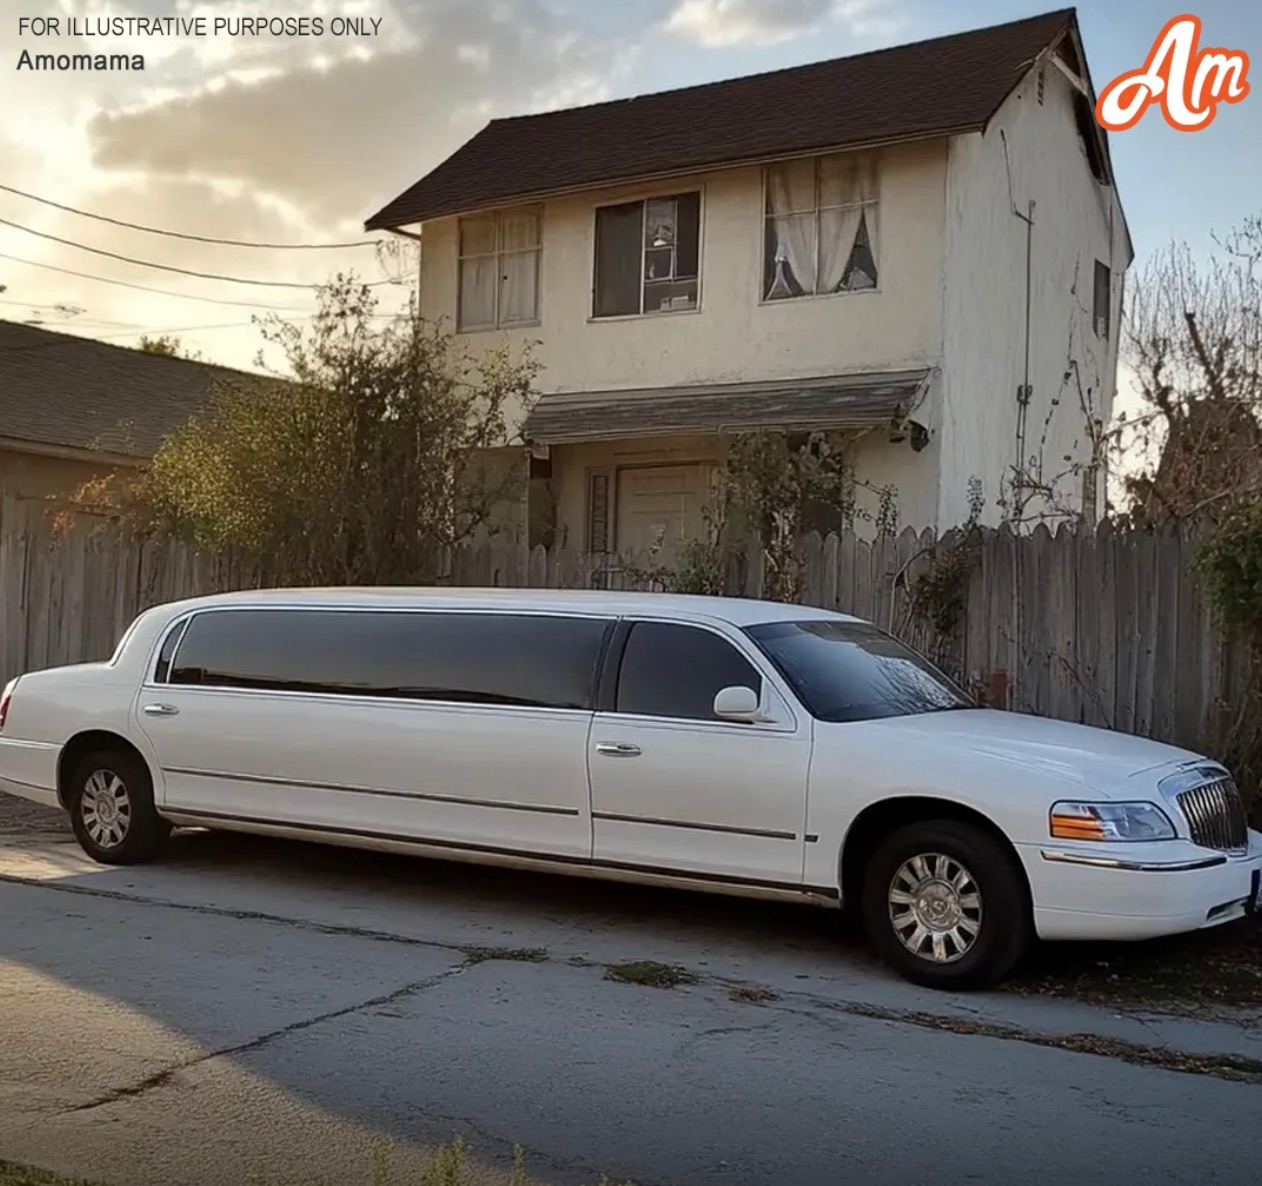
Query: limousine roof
736	611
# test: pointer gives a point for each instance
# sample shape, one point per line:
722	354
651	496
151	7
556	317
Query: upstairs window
820	227
499	269
647	256
1102	299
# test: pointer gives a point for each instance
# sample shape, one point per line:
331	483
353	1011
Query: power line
71	313
32	304
65	339
135	226
92	324
182	329
185	296
170	268
70	339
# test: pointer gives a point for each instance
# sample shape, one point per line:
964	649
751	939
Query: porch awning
800	405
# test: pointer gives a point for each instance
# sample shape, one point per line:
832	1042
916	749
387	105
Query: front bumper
1138	891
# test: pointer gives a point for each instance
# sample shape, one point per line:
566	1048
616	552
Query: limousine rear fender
90	741
52	705
69	711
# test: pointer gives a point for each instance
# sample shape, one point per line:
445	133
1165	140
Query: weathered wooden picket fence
1107	627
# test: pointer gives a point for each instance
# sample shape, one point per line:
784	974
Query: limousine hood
1100	759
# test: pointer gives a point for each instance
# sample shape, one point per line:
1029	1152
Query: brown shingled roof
939	87
63	390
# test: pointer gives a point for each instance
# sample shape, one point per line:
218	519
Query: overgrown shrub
372	458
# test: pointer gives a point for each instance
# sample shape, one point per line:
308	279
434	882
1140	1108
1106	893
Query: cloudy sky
297	140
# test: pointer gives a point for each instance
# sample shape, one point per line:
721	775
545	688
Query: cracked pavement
251	1009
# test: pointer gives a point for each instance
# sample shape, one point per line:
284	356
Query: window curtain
478	273
519	286
872	220
519	268
847	198
791	206
839	219
477	291
869	195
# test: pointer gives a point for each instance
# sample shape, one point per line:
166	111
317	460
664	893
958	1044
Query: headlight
1110	821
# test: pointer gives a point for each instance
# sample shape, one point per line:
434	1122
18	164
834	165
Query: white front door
465	729
676	789
659	507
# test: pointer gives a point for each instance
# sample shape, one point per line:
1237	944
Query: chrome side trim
342	698
509	858
727	830
458	800
1075	858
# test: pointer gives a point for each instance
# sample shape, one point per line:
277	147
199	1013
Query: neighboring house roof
77	393
945	86
803	405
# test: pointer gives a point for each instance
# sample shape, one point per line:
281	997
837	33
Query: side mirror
736	704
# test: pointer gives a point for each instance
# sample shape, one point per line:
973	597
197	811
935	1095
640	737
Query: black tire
141	834
993	923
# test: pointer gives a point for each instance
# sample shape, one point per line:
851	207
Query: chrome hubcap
105	808
935	907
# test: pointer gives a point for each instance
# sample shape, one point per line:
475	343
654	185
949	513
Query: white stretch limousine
740	746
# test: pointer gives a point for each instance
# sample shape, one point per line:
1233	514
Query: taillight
4	700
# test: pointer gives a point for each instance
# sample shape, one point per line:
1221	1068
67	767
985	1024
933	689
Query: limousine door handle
160	710
622	749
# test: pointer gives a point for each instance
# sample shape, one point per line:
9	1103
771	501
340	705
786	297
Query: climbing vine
1230	567
771	485
939	594
771	490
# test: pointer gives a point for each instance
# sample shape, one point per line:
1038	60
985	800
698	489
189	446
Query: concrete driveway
252	1010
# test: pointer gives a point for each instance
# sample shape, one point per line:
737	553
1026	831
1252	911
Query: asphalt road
255	1011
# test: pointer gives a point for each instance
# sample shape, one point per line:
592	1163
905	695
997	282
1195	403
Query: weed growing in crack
752	994
650	973
452	1165
381	1163
521	955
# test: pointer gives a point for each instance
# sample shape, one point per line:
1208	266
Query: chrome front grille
1216	816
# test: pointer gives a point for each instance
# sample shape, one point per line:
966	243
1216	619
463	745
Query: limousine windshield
850	671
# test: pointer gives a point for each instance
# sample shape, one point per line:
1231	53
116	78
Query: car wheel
946	905
110	798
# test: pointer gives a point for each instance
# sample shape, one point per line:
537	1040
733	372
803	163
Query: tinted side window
167	653
469	658
676	671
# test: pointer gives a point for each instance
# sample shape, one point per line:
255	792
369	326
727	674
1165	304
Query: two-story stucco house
921	247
